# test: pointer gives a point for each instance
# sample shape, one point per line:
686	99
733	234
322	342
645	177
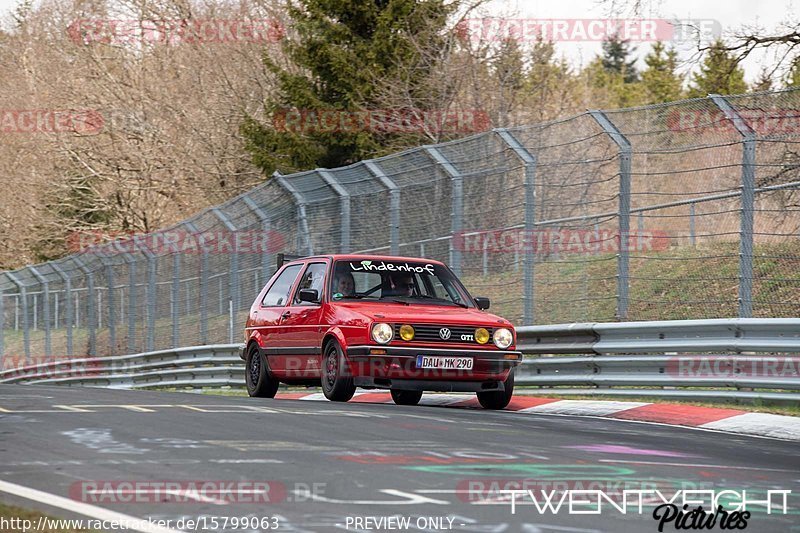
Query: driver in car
400	284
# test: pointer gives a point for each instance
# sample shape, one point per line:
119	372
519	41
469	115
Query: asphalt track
327	465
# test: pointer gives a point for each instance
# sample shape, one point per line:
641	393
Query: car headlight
482	335
382	333
503	338
407	332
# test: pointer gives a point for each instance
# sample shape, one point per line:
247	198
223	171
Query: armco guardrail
613	361
695	336
197	366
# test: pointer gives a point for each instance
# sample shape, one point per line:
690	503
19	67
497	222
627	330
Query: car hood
422	314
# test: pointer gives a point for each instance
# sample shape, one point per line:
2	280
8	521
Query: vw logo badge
444	333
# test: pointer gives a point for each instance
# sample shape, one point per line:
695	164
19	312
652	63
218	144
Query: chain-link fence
682	210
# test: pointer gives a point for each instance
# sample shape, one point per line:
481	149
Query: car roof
354	257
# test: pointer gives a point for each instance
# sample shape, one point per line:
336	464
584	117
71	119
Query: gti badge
444	333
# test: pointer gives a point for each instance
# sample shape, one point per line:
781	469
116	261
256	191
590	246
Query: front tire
498	399
406	397
259	380
337	383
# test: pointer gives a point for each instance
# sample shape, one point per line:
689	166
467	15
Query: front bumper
372	366
428	384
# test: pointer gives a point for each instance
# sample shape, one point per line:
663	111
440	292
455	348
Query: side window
313	278
278	294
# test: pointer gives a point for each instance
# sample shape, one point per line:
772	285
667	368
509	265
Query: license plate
444	363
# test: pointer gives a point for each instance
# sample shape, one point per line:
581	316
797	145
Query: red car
400	323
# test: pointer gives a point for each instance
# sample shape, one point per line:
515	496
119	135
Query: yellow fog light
406	332
482	335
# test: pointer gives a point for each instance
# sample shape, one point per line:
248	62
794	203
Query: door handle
286	314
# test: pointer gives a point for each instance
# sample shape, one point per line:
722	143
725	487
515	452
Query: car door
300	328
268	314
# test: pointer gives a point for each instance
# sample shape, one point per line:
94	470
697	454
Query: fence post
23	294
692	234
112	318
344	202
203	286
394	204
233	275
301	210
176	296
457	213
48	346
126	256
529	160
151	295
266	227
91	319
2	326
747	204
69	319
623	257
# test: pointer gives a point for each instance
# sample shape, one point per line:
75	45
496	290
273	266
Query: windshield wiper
429	297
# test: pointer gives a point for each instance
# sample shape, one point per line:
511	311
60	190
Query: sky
729	14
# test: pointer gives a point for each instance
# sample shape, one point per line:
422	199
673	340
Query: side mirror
309	295
482	303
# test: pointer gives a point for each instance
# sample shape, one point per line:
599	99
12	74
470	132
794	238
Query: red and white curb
714	418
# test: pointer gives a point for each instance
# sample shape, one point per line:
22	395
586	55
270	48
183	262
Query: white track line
84	509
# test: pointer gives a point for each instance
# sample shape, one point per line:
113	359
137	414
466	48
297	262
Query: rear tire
406	397
498	399
337	381
259	380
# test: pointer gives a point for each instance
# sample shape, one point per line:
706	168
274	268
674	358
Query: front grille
430	333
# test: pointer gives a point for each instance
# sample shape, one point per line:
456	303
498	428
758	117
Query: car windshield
398	282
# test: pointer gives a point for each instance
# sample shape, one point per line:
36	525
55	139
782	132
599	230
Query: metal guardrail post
344	201
529	160
91	319
69	322
394	204
301	210
233	276
129	259
457	214
266	227
747	204
623	258
203	286
26	333
48	346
